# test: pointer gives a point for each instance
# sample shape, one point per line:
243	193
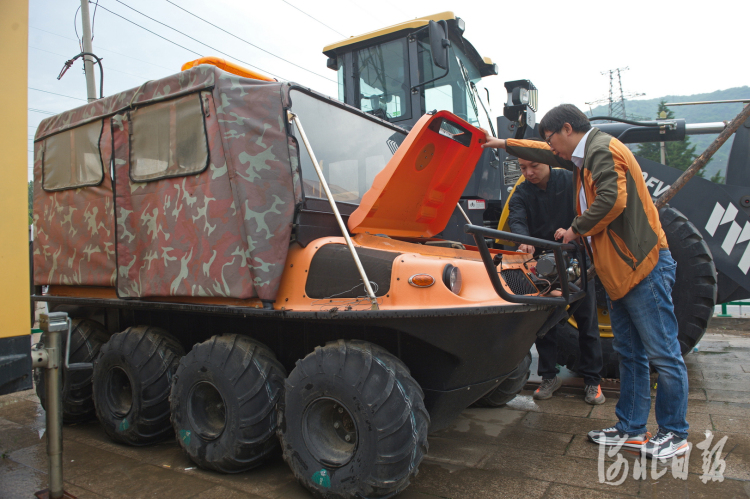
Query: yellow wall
14	230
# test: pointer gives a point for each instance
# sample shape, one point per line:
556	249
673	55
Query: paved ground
528	449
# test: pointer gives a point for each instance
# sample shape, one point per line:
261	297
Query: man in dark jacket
539	206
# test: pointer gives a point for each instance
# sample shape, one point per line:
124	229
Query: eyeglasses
549	137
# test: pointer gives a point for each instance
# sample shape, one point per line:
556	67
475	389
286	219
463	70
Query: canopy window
72	158
168	139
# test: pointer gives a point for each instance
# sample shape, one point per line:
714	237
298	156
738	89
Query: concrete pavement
528	449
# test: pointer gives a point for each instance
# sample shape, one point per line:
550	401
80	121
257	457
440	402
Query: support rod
370	293
706	102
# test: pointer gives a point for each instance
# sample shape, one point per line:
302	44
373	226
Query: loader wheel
132	380
86	339
693	294
509	387
224	397
352	422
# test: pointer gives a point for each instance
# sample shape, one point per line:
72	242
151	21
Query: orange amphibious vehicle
249	263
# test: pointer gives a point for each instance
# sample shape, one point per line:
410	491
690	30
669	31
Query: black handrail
557	248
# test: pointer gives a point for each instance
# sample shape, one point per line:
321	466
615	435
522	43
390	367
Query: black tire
693	295
86	339
132	380
509	387
224	397
358	390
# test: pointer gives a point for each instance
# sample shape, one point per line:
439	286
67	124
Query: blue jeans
645	330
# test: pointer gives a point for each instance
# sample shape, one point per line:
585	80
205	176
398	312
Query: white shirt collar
580	151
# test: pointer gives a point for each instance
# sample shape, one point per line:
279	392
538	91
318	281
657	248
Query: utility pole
88	62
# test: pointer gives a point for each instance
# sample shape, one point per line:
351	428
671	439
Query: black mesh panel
517	281
333	273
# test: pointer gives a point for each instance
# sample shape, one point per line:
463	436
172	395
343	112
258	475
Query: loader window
350	147
383	87
453	92
168	139
72	158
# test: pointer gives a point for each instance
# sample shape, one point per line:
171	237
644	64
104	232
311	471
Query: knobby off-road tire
132	380
509	387
352	422
693	294
86	339
224	397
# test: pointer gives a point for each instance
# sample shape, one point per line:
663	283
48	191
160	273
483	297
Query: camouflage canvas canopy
184	186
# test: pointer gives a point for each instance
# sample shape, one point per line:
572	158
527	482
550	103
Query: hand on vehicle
492	141
526	248
566	235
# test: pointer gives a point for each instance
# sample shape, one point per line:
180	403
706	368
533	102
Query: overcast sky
671	47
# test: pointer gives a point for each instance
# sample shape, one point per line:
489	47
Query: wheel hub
207	410
330	432
119	392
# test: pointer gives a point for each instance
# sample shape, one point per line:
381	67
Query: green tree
680	154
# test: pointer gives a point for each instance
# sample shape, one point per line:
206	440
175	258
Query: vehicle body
183	221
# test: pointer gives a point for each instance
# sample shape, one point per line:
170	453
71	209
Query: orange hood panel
417	191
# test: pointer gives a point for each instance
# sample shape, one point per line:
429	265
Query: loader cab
401	72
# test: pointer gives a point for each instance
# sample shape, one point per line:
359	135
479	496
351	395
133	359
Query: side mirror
439	43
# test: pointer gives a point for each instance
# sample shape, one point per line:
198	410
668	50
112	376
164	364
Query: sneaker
547	388
594	395
665	445
613	436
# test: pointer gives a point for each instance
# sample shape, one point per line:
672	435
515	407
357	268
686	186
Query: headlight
452	278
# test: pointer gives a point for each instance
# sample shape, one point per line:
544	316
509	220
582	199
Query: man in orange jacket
633	261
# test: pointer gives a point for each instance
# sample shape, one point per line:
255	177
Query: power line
41	111
311	17
53	93
186	35
108	69
163	38
106	50
235	36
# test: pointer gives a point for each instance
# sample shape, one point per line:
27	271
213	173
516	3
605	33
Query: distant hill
646	109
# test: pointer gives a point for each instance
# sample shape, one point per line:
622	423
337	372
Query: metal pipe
88	63
706	102
370	293
53	386
705	128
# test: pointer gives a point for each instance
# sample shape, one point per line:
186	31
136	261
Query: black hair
556	118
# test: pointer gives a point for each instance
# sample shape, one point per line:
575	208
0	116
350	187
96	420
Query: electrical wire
53	93
105	50
93	20
41	111
141	78
186	35
233	35
155	34
308	15
75	28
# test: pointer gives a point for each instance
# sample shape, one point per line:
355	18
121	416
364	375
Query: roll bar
570	292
